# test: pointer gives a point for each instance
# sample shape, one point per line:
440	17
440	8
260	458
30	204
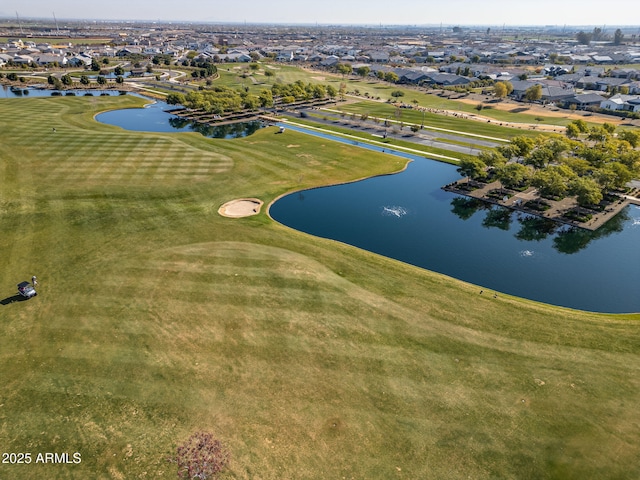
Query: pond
17	92
409	217
154	118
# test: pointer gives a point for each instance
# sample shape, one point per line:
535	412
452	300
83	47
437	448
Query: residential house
47	58
379	57
128	50
80	60
629	103
583	101
554	94
447	79
608	83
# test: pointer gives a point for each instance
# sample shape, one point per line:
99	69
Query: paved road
425	137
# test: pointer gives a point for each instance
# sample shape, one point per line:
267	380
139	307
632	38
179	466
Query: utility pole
56	21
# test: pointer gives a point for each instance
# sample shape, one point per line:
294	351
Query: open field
156	317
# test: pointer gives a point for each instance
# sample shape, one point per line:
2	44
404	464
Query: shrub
201	457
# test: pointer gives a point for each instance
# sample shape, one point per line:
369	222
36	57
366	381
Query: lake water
410	218
154	118
14	92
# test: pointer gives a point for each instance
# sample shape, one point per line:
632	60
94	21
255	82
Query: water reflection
13	92
498	217
567	240
234	130
464	207
535	229
575	239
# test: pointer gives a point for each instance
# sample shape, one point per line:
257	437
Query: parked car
26	290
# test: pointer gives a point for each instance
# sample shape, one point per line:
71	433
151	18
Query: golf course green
156	317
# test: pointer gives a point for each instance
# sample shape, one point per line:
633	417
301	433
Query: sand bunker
242	207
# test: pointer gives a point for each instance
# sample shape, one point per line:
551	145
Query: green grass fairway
156	318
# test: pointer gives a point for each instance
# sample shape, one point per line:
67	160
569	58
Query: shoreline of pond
530	202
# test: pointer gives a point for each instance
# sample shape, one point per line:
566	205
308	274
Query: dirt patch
535	109
320	79
293	146
241	207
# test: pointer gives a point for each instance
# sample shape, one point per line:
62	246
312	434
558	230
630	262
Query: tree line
586	163
221	99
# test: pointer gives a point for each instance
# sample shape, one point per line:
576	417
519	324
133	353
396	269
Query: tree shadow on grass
15	298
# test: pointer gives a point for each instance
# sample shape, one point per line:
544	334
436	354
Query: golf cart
26	290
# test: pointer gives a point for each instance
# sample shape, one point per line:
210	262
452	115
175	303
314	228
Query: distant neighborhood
568	70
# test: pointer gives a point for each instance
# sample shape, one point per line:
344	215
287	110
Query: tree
250	102
363	71
533	93
473	167
67	80
583	38
500	90
397	93
201	457
118	70
101	80
391	77
550	183
269	73
95	66
524	144
609	127
621	174
344	68
598	134
597	34
343	90
630	136
332	91
319	91
512	175
572	131
84	80
586	190
582	125
540	157
492	158
119	80
617	37
265	97
175	99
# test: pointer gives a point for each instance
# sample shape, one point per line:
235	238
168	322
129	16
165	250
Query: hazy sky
372	12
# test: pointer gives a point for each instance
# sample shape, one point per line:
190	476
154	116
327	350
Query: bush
201	457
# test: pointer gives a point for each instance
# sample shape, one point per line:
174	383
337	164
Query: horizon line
318	24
